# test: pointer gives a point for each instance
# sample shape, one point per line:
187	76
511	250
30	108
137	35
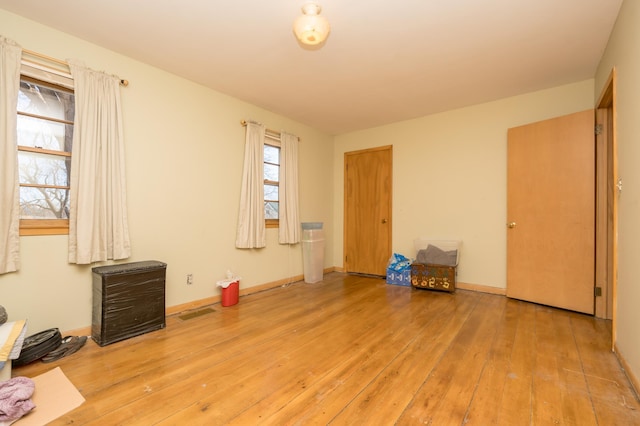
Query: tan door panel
368	210
551	212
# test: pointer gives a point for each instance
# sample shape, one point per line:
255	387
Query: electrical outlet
189	279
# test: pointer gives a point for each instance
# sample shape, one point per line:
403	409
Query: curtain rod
274	132
124	83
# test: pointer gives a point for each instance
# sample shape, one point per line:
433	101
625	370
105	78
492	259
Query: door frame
607	204
345	263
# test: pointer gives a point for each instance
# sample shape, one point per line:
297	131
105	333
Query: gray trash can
312	251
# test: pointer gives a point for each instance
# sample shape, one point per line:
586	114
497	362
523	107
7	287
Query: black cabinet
128	300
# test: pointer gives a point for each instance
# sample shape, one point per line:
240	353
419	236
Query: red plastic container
230	294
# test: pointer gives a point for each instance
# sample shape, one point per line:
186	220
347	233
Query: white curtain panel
289	228
10	55
251	228
98	224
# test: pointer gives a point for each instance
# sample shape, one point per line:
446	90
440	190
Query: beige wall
184	153
623	53
184	150
449	176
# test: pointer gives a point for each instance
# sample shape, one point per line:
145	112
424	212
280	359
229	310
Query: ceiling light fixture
311	28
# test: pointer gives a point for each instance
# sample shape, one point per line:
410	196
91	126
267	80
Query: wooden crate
433	277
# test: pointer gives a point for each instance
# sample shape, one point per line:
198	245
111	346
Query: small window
44	137
271	183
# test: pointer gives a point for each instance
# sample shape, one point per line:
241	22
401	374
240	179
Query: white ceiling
384	61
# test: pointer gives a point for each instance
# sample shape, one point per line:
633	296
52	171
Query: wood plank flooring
353	350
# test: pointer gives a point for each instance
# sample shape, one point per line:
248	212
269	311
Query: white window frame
62	79
273	141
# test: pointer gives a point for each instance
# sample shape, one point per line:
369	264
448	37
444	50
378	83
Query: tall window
271	183
45	133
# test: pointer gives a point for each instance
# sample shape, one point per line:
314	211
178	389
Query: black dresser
128	300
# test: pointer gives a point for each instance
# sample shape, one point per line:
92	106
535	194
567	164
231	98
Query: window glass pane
38	133
43	169
44	203
271	193
44	178
271	210
48	102
271	154
271	173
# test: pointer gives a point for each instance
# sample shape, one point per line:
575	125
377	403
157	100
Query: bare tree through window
271	181
45	133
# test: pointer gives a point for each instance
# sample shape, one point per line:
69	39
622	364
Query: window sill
30	227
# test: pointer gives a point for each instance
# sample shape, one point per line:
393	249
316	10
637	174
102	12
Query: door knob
511	224
384	220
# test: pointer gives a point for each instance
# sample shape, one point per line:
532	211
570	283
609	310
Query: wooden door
551	212
367	200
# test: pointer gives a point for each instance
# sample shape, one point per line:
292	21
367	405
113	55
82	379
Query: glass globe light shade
311	28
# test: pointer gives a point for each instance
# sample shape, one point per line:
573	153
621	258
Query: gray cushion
437	256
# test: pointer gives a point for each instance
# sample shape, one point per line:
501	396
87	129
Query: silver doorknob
511	224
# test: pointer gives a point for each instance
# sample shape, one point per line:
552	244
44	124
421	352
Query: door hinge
598	291
598	129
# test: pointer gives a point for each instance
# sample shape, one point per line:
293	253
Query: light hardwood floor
352	350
